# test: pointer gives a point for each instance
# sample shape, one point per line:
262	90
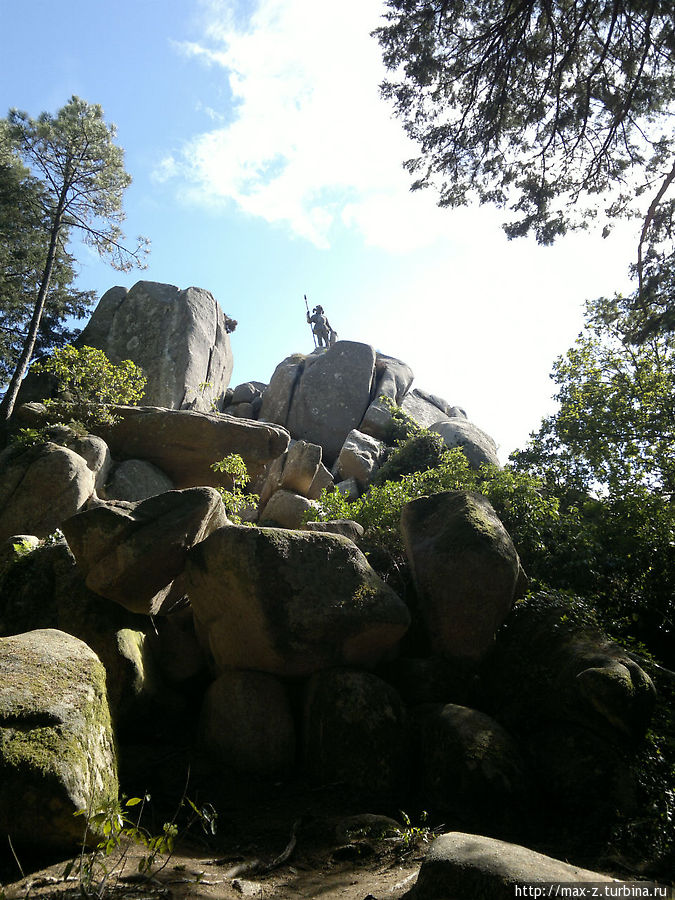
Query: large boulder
477	446
393	380
332	396
469	763
132	552
178	337
40	487
286	509
465	569
422	410
185	444
246	723
290	602
302	464
57	754
359	458
136	479
355	732
470	865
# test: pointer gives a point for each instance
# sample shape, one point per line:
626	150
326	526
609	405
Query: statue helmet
318	309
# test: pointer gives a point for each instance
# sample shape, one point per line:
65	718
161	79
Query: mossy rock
57	752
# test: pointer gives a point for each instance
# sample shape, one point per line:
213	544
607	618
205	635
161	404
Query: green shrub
235	500
92	383
420	451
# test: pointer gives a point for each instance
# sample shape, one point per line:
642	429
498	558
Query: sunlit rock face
178	337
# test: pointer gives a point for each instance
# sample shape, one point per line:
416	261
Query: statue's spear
310	324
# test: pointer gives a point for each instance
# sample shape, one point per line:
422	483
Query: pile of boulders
301	648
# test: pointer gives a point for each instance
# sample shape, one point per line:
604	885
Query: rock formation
279	644
178	337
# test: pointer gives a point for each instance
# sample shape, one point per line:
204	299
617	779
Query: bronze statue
324	334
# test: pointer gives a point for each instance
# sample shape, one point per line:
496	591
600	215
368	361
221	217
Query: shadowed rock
290	602
465	569
132	552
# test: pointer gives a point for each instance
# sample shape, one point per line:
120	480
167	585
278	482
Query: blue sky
266	166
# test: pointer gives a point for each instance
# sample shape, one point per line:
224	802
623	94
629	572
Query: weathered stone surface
376	420
478	447
322	481
247	392
465	569
332	396
57	751
136	479
246	723
277	398
44	589
470	865
302	464
393	381
393	378
94	451
131	552
346	527
286	509
359	458
40	487
469	763
184	444
290	602
349	487
421	409
355	732
178	337
272	479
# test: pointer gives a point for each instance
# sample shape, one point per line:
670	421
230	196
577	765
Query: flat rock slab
57	753
463	866
184	444
290	602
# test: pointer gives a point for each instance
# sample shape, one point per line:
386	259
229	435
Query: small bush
417	453
92	383
235	500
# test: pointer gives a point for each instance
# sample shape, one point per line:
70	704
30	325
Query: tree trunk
9	400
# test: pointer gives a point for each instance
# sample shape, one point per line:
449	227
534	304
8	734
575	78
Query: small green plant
22	548
92	383
118	830
235	500
31	437
410	836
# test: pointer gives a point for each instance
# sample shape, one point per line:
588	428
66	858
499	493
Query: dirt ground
273	841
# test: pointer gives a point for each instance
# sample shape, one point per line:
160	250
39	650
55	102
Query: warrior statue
324	335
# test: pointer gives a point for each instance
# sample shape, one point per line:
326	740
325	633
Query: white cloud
308	141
